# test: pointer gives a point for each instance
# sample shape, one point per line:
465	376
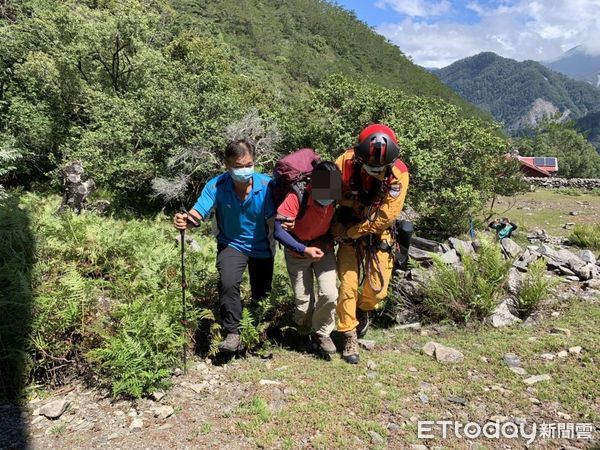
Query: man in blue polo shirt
242	201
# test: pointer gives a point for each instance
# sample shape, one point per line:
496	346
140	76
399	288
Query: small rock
423	397
425	386
414	369
55	409
572	278
197	388
409	326
163	412
555	314
564	416
371	375
575	350
393	427
289	391
177	372
564	331
443	353
535	401
157	396
548	356
566	271
573	213
458	400
371	365
366	344
512	360
502	316
562	354
498	418
537	378
376	438
269	383
418	447
137	425
429	348
518	370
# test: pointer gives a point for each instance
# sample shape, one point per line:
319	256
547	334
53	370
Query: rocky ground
411	373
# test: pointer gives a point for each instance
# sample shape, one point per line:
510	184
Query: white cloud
417	8
520	30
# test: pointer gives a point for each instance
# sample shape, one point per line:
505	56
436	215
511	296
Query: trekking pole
183	288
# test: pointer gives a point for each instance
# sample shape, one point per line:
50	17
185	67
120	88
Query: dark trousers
231	265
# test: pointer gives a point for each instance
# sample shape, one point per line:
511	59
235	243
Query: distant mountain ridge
578	64
519	94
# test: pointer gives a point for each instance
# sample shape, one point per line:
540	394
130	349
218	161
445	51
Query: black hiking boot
231	344
363	322
350	353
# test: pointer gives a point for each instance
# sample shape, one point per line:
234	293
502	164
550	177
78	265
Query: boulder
512	360
418	255
462	247
450	257
514	281
425	244
587	256
54	409
502	315
584	271
511	248
537	378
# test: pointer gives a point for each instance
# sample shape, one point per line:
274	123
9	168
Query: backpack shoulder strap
301	192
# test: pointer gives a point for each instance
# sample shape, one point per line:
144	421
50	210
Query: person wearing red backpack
374	186
302	226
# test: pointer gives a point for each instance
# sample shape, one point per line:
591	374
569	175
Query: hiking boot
350	353
363	322
231	344
324	344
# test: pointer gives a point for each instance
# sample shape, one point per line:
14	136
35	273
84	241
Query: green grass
549	209
586	236
338	404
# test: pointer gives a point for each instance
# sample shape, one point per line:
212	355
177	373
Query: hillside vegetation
508	89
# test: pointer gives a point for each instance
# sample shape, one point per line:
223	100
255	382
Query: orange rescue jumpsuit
377	276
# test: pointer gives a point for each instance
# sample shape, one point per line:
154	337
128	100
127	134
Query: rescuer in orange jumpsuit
374	186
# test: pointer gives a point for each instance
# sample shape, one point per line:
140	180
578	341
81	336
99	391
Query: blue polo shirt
242	225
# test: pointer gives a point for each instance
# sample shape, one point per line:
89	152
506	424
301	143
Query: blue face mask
242	174
324	202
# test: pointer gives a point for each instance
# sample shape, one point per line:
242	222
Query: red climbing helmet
377	146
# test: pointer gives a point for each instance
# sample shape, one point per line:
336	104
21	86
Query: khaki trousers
316	311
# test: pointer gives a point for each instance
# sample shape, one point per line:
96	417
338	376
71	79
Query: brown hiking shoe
363	322
350	353
324	343
231	344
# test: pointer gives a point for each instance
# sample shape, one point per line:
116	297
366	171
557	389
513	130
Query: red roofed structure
540	167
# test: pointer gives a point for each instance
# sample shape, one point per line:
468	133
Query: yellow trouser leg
348	292
369	298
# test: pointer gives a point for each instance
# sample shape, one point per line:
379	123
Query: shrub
586	235
470	292
534	288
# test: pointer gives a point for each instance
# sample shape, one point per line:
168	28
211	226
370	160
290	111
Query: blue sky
435	33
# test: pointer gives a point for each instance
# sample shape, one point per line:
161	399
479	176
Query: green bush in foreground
534	288
107	298
469	292
586	235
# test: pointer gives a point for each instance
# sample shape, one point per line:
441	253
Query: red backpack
291	174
